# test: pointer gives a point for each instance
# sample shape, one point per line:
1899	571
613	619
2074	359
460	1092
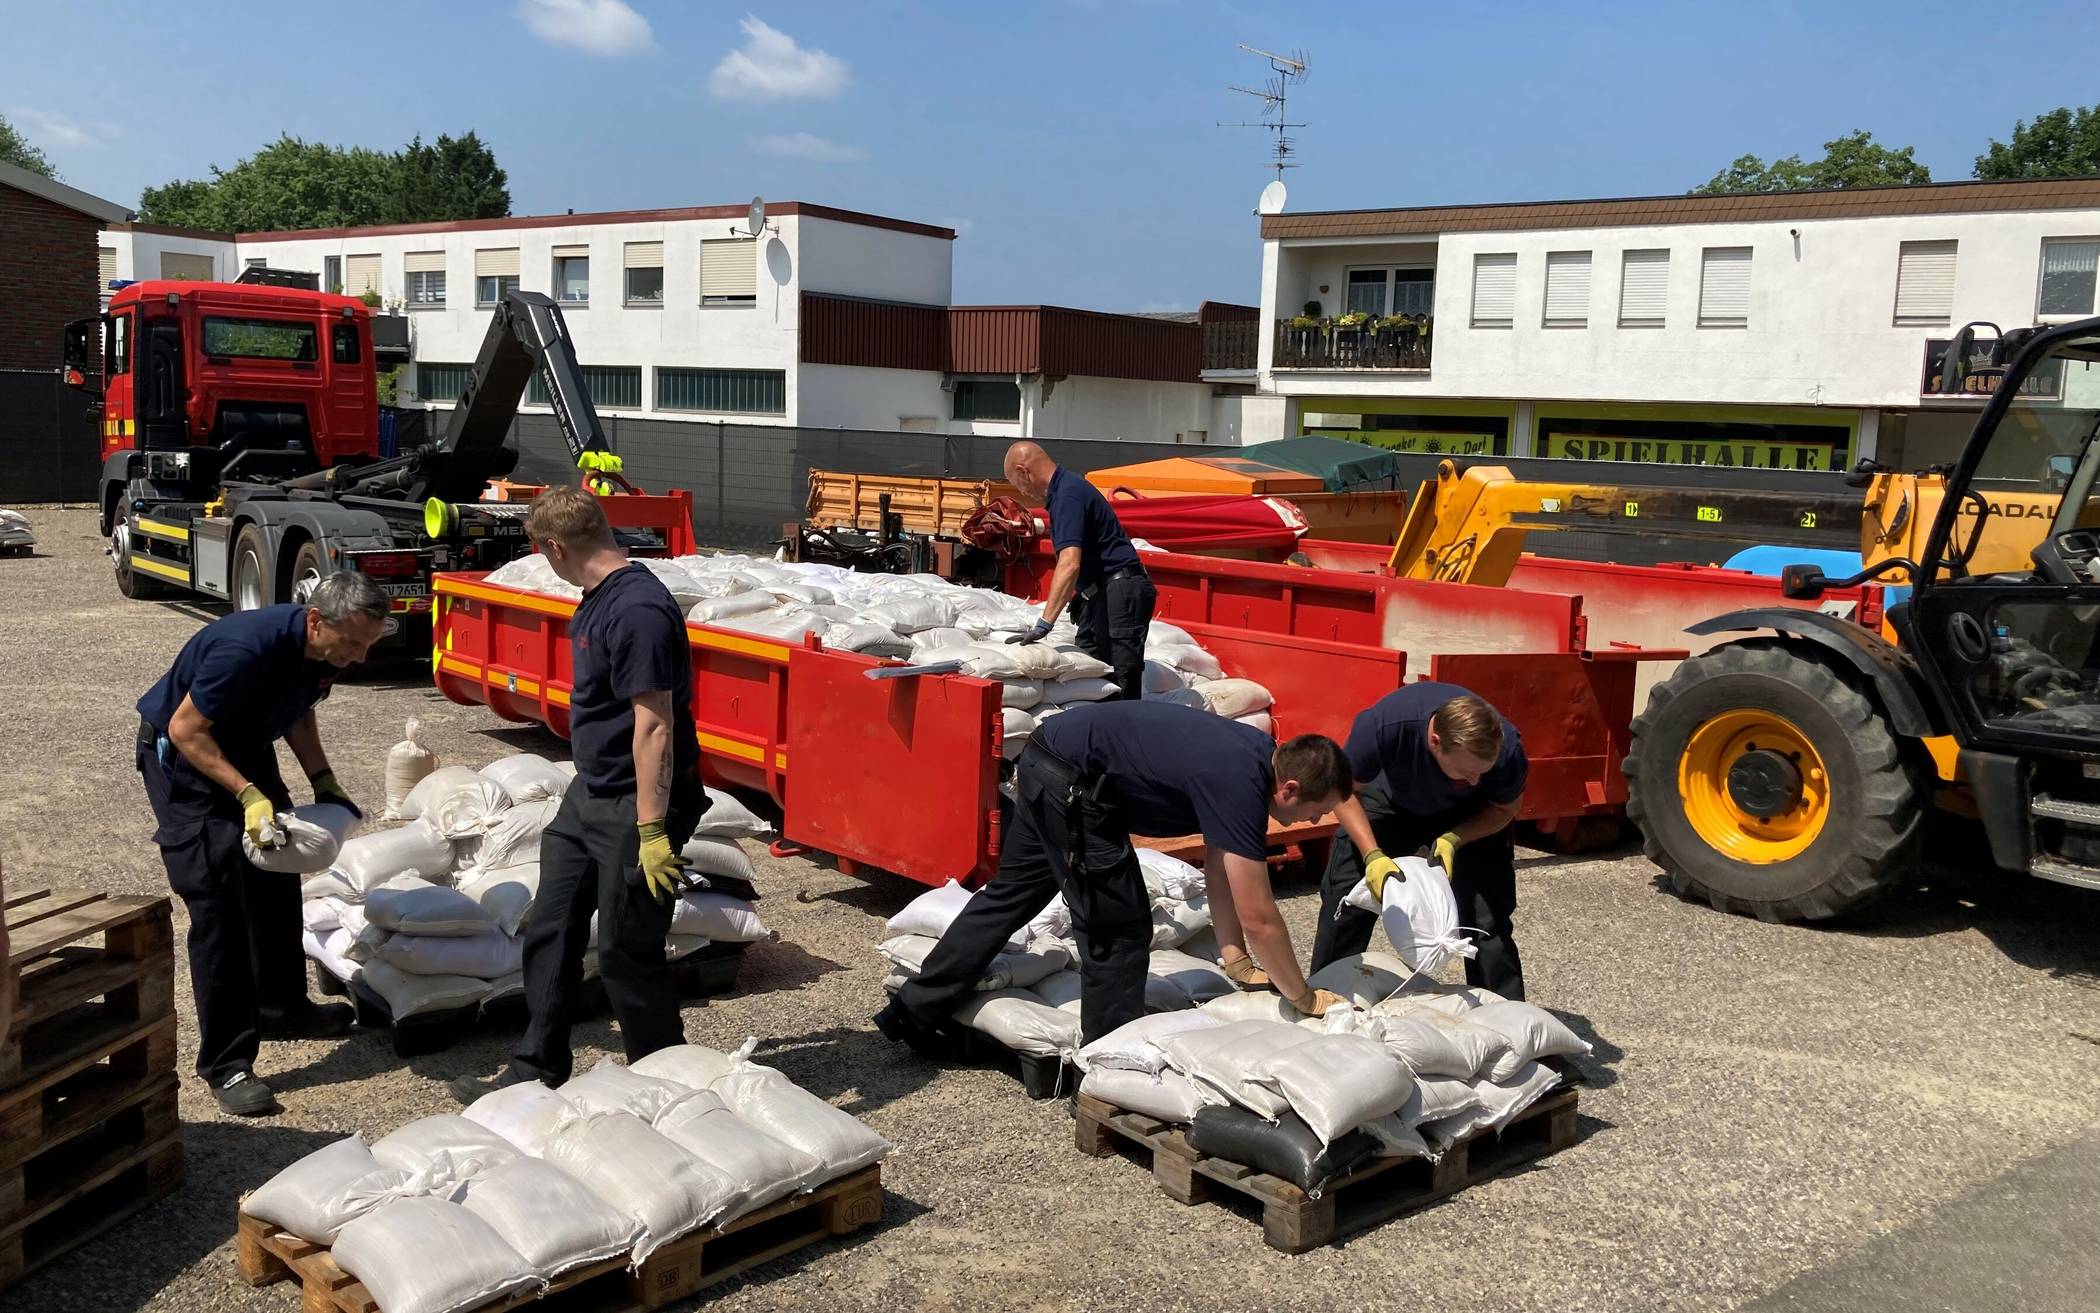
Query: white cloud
599	27
808	146
770	66
49	129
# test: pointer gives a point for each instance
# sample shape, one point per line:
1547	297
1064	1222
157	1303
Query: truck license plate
414	588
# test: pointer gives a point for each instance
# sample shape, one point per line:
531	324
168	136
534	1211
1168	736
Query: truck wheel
131	582
1766	784
307	571
251	579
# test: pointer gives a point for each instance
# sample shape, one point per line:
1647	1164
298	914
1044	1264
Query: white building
827	319
1791	329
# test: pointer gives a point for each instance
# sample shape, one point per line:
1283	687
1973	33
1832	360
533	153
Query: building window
490	289
1567	289
1366	293
645	276
495	275
2068	274
426	287
440	382
1924	283
611	387
572	275
1414	292
343	344
1724	287
1495	290
987	399
729	271
1644	288
332	273
1391	292
729	391
193	268
361	275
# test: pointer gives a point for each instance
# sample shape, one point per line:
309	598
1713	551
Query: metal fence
49	448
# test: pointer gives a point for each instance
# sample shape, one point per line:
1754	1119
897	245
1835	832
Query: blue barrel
386	431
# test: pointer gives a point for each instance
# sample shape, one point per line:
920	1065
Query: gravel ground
1765	1101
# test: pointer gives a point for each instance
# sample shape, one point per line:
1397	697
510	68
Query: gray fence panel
50	450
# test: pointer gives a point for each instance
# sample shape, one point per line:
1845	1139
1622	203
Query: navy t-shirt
1389	747
1080	517
249	675
1177	770
627	638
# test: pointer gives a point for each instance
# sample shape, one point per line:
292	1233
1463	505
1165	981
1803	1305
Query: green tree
453	178
16	150
2064	143
292	184
1853	160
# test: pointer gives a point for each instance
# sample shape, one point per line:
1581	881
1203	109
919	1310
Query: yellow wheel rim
1778	800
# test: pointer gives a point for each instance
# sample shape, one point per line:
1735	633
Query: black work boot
245	1095
900	1027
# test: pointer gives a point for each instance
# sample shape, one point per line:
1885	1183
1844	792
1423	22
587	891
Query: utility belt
1093	590
1072	794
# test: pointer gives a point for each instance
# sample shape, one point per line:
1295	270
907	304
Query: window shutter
1494	290
105	267
1724	287
423	262
360	274
196	268
729	268
573	252
1644	289
500	263
645	255
1925	283
1567	289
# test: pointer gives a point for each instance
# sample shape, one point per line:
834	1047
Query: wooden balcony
1390	344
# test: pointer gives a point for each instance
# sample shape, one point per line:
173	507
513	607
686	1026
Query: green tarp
1343	465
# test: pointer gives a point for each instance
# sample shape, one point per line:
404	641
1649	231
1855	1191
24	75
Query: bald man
1098	571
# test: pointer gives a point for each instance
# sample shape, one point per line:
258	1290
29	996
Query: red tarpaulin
1186	523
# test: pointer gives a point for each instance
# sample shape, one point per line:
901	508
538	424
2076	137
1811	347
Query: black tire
248	584
307	565
130	582
1870	836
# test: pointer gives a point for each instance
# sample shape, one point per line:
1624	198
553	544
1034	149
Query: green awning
1343	465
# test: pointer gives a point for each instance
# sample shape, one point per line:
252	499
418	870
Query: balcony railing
1397	342
1231	345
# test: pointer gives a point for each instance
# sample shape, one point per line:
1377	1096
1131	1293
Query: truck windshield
262	339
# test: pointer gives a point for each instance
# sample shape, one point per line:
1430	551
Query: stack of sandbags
452	1211
1178	669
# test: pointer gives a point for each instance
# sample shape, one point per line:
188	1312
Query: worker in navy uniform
1097	571
1086	782
1438	771
207	750
613	846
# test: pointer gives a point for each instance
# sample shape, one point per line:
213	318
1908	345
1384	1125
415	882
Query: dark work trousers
1484	886
1112	618
246	966
590	861
1111	911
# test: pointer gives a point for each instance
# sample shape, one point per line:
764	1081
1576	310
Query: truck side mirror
1802	583
83	355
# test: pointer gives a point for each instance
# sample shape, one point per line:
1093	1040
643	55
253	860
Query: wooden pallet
681	1268
1292	1220
88	1126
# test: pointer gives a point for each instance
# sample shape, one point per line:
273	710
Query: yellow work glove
327	790
1445	850
1378	868
1315	1002
662	867
1243	972
258	817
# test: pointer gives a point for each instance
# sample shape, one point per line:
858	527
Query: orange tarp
1216	475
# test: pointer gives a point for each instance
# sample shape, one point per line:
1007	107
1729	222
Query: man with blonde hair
1437	770
1097	572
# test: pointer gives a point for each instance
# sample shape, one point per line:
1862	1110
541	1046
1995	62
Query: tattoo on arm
663	778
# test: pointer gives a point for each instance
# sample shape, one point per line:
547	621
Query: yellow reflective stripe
715	743
449	586
174	532
729	643
151	566
530	688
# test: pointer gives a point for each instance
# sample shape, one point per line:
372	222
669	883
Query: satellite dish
1272	197
757	216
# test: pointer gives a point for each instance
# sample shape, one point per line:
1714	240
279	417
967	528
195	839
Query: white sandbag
763	1168
368	861
1091	688
860	636
1181	697
1187	658
1009	970
470	1146
455	802
1365	979
1457	1000
487	955
1532	1032
525	1114
1015	727
429	1255
321	915
1074	662
1167	876
407	762
1203	944
694	1066
780	1108
679	947
331	883
946	639
506	894
1236	697
1020	1021
426	909
1498	1106
1135	1046
527	777
1220	1062
1336	1082
1252	1005
315	1196
714	609
1440	1097
643	1175
1419	916
728	818
1199	980
910	614
997	661
613	1087
1481	1047
1425	1048
310	838
717	916
1162	678
1063	990
1167	1095
1021	693
710	855
333	962
504	987
1260	720
1053	922
512	836
787	626
1396	1139
1161	634
547	1216
801	594
408	995
932	912
1174	923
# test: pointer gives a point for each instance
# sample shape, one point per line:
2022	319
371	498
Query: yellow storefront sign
1416	441
1738	454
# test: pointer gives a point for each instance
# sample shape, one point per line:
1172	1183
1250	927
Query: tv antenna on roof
754	218
1285	71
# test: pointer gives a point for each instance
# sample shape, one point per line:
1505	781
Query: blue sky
1072	143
